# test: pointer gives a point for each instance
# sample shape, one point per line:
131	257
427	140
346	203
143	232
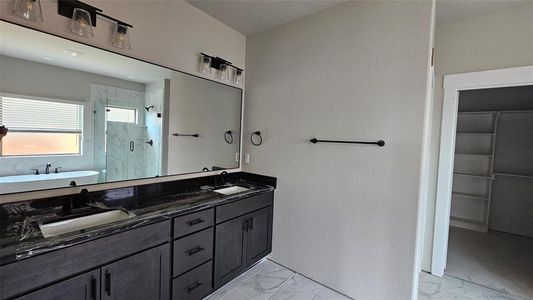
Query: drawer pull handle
93	287
195	221
194	250
108	283
193	286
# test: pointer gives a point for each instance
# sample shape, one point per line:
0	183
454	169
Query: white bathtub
22	183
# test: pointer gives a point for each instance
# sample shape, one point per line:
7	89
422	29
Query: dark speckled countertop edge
204	199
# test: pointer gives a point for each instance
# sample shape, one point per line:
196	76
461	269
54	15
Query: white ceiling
19	42
454	10
253	16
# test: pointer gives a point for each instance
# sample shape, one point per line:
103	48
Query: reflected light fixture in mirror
81	23
121	38
29	10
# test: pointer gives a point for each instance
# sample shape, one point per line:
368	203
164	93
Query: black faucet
47	170
76	201
220	179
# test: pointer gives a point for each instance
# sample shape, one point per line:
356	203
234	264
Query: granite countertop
20	236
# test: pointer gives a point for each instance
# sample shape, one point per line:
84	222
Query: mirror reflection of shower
128	131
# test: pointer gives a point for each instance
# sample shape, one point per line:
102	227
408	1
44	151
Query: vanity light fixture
121	39
81	23
223	72
237	76
205	64
84	19
225	69
29	10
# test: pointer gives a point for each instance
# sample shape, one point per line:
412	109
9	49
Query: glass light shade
223	72
121	39
81	23
205	64
237	76
29	10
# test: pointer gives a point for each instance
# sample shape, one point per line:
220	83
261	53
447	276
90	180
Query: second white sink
75	224
231	190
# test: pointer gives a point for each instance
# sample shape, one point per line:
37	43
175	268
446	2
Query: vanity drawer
193	285
244	206
193	222
192	251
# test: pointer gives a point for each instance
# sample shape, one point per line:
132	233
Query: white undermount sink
231	190
75	224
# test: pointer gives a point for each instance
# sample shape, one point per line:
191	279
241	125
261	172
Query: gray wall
499	40
511	206
345	215
41	80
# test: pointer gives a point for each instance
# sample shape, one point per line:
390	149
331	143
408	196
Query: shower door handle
132	146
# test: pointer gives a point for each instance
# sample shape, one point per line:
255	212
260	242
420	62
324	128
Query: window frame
45	99
135	110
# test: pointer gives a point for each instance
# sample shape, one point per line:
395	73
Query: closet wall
493	173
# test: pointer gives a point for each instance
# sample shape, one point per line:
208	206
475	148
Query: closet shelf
467	220
473	175
481	197
476	133
488	112
514	175
471	154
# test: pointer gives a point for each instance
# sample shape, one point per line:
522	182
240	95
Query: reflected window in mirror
40	127
121	114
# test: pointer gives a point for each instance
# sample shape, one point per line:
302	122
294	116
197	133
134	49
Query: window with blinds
40	127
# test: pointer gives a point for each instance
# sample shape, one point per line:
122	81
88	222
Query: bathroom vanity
181	240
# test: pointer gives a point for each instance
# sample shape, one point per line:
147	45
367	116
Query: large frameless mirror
72	114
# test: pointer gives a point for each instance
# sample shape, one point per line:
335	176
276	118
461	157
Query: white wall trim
452	85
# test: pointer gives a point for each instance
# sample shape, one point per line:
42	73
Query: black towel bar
380	143
179	134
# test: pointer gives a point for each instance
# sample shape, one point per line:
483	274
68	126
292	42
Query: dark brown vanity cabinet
141	276
83	287
242	241
184	258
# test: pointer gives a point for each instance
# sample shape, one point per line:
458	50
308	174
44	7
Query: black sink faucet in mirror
47	170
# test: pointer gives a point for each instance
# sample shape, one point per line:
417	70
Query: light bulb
28	9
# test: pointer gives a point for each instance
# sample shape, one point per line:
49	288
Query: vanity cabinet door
83	287
141	276
259	235
230	258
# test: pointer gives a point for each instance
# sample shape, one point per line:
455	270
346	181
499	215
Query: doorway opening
483	226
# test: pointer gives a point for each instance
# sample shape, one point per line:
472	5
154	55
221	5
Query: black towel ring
258	133
228	136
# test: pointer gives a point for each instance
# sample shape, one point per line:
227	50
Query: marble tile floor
268	280
447	288
496	260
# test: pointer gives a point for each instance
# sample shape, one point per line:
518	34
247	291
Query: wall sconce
205	64
81	23
237	76
84	19
225	69
29	10
121	39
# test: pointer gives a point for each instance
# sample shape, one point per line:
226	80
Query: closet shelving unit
473	169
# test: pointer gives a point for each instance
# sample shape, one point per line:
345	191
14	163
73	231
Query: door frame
452	85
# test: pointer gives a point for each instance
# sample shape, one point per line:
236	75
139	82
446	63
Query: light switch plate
247	158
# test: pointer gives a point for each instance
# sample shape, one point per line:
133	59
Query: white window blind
19	114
